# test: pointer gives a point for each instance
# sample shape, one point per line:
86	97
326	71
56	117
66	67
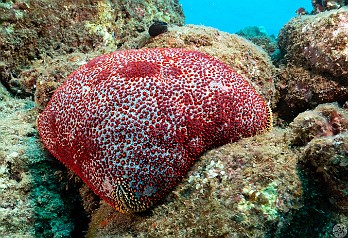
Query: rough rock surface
240	189
322	133
315	68
260	37
300	89
323	5
38	31
325	120
33	203
319	42
327	159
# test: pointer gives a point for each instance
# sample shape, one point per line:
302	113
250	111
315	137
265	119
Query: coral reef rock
325	120
315	65
241	189
327	159
259	37
33	203
322	133
323	5
300	89
319	42
48	75
32	31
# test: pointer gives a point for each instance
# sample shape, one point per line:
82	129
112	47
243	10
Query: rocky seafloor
264	186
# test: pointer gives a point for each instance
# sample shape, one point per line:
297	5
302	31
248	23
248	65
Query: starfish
131	123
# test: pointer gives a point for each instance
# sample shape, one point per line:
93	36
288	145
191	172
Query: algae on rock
31	201
36	30
315	65
243	189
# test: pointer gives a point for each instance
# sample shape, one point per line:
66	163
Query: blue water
232	15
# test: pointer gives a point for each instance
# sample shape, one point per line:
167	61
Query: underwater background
232	16
289	182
